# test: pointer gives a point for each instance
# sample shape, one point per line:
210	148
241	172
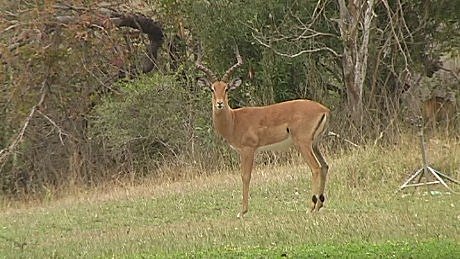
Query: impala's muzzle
219	105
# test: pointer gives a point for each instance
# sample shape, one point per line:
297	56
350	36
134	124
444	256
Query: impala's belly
283	145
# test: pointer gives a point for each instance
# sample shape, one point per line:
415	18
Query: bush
157	119
148	122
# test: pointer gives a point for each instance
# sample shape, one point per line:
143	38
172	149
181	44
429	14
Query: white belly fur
279	146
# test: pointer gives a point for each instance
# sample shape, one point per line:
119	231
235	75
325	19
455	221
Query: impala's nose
219	105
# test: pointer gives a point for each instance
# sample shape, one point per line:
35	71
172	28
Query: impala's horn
234	67
200	66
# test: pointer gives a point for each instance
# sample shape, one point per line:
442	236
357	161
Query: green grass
196	217
401	249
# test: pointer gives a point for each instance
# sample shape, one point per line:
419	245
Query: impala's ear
235	83
203	82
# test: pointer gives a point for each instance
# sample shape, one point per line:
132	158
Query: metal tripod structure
415	179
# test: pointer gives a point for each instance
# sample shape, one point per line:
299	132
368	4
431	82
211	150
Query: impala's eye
226	89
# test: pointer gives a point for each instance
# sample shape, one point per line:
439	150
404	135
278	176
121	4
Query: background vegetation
79	108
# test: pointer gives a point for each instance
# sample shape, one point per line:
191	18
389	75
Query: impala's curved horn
234	67
200	66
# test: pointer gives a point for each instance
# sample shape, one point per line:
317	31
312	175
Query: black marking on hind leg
322	198
314	199
288	130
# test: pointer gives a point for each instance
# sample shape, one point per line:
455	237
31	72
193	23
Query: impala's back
276	124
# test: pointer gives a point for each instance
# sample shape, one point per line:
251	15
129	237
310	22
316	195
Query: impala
439	109
248	130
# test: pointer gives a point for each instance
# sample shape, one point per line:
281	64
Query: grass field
196	216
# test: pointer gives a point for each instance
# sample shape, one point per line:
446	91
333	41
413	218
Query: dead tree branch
61	131
390	16
140	22
6	152
267	45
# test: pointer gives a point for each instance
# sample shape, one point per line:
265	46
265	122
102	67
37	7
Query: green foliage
148	119
158	118
220	25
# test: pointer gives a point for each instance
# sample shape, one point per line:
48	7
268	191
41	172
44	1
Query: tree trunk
354	23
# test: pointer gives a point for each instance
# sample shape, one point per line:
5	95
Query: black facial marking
322	198
288	130
314	199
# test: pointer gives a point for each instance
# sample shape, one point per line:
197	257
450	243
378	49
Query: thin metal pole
426	169
422	147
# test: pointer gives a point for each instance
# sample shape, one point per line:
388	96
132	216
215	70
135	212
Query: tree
355	25
57	61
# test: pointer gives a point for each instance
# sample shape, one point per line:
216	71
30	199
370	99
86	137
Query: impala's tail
321	127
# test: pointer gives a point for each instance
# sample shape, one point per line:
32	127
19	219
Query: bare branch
385	3
316	12
4	153
137	21
13	26
296	54
333	134
60	130
450	71
404	20
105	85
313	35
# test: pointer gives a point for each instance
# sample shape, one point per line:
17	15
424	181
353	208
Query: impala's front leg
247	161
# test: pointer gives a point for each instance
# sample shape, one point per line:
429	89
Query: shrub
147	122
157	119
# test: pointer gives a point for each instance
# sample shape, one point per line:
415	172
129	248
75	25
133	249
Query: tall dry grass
363	168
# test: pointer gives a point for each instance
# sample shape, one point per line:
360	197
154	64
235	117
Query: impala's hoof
314	200
319	205
320	202
241	214
312	207
317	202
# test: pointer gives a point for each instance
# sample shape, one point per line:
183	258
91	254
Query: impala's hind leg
307	142
322	177
317	135
315	166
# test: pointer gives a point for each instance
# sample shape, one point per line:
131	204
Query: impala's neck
223	122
